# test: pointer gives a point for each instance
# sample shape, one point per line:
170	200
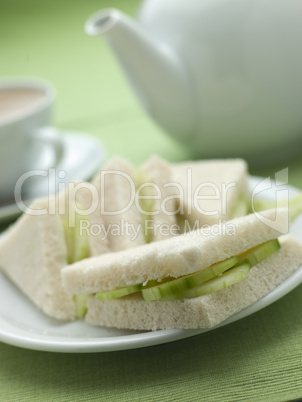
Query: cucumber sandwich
194	280
116	270
36	248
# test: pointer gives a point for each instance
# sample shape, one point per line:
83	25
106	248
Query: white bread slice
132	312
222	182
32	254
116	184
159	173
174	257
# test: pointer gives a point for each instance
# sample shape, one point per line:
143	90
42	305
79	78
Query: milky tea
16	101
26	131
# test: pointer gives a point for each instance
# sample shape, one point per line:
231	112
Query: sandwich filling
77	249
241	207
209	280
294	205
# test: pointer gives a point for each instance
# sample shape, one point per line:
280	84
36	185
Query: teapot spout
154	70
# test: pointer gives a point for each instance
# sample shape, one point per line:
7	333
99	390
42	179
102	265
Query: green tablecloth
258	358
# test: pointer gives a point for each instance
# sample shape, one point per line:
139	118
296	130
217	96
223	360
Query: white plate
83	155
21	324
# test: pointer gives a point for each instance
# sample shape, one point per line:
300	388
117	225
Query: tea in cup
25	130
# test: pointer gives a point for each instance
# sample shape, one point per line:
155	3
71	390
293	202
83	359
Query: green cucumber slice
113	294
175	286
127	290
294	205
77	243
241	207
190	285
80	305
146	204
232	276
259	253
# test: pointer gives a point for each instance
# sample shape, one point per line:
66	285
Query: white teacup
25	118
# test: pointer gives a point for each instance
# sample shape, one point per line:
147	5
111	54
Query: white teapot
222	76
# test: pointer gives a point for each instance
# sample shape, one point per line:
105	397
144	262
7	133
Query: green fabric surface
257	358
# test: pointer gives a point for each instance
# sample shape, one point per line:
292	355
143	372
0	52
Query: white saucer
83	155
22	324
